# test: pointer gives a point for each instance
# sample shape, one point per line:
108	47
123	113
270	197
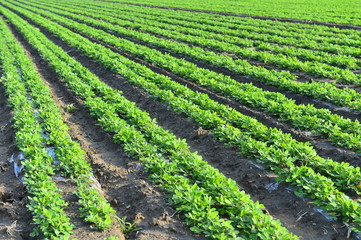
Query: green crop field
158	119
331	11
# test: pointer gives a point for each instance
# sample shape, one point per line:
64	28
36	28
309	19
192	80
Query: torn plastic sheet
272	186
256	165
56	162
139	167
37	118
11	159
59	178
51	152
165	159
96	184
44	135
17	169
328	217
333	106
21	156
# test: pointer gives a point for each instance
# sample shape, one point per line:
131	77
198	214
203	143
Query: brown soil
125	183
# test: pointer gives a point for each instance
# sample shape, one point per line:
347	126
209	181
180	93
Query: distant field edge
310	22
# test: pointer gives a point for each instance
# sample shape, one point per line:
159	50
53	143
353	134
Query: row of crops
263	65
332	11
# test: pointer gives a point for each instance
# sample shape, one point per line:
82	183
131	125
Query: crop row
207	106
37	162
254	26
39	127
342	131
224	43
243	38
233	22
229	21
131	66
303	36
230	36
195	186
284	80
347	12
312	184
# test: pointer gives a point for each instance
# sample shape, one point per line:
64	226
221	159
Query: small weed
70	108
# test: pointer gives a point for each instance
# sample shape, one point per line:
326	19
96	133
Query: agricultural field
332	11
159	119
